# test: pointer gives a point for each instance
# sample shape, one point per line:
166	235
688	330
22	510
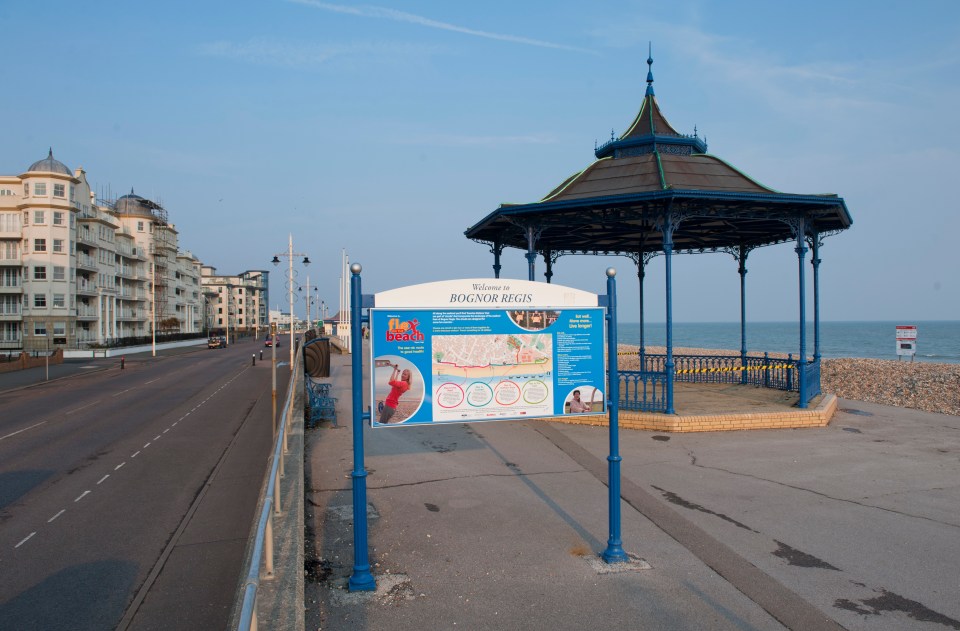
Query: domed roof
51	165
133	204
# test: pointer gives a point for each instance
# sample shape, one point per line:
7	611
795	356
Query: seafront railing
261	557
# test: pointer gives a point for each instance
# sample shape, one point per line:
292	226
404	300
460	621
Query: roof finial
50	155
649	69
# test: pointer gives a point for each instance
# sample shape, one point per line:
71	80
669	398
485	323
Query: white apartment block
76	273
238	303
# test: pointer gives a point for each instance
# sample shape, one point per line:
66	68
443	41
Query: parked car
269	342
217	342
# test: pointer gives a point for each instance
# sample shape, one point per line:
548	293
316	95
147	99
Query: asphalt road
127	496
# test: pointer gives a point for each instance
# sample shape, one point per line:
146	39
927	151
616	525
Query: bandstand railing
645	390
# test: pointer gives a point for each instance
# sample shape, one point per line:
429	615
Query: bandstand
656	192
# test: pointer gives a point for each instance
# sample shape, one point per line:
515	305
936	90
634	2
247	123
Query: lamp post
229	299
276	261
310	300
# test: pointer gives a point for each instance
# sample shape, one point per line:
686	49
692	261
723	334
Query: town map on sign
486	356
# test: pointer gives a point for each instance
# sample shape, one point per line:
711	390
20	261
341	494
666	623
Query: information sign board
906	340
481	350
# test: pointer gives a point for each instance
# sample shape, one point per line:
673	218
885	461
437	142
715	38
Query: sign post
482	350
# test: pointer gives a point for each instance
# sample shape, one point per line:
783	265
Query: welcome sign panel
454	365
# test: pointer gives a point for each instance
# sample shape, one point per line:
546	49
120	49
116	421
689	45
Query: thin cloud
453	140
382	13
268	52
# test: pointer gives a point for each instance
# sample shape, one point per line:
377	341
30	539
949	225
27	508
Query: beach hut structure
651	192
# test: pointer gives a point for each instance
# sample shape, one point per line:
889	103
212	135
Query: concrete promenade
498	525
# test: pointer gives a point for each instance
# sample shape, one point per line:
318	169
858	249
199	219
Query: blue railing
645	390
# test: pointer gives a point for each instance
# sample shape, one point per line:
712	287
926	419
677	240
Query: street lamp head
275	261
306	260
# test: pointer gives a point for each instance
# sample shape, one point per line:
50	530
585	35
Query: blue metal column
531	254
743	314
614	552
815	261
496	249
668	254
641	272
801	251
361	579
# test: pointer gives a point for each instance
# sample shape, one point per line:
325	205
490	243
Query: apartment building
238	302
76	271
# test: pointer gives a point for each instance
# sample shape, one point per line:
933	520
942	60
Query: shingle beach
918	385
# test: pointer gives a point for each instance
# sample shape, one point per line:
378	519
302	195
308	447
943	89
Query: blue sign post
482	350
614	552
361	579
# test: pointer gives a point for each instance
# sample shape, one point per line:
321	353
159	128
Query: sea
937	340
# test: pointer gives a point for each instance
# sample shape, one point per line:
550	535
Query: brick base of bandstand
723	407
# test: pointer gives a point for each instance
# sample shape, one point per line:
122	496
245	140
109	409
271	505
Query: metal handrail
263	540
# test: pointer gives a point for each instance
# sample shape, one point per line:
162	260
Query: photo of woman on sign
399	383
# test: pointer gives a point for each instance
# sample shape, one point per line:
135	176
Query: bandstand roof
614	205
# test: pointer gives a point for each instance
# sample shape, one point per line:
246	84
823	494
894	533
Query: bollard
122	358
254	359
261	353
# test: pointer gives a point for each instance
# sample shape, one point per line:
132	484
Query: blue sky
387	129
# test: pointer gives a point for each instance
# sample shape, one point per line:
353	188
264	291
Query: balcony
87	262
126	271
11	289
86	238
86	288
87	313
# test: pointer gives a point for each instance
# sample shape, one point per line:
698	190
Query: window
9	222
220	310
71	193
38	217
59	272
59	301
60	329
40	188
40	272
40	328
39	245
40	301
139	226
58	245
57	217
58	190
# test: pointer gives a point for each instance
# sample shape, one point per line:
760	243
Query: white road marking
102	479
147	445
157	437
119	465
82	495
166	430
134	455
25	539
121	392
151	381
22	430
62	511
83	407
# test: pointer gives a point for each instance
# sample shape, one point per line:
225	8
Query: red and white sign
906	332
